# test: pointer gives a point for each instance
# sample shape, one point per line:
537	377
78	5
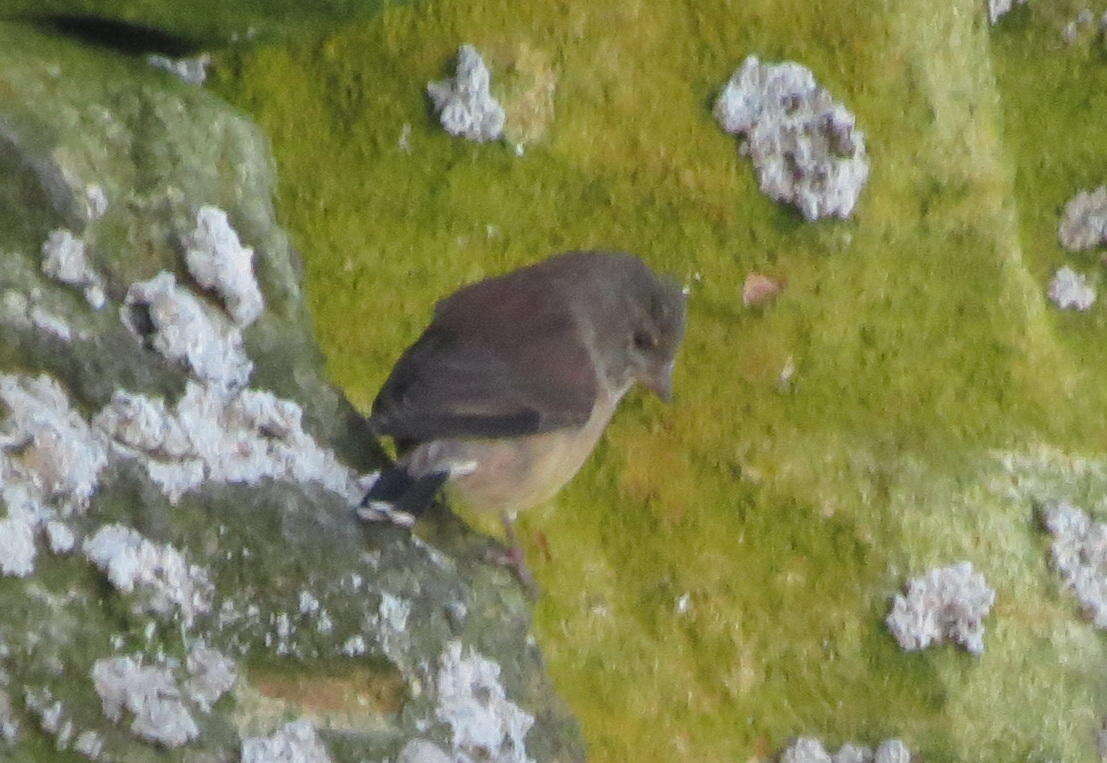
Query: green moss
918	330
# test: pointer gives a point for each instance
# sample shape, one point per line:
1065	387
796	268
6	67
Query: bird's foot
382	511
515	560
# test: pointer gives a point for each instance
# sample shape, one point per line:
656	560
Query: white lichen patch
811	750
89	744
1079	554
485	724
161	573
998	8
211	675
96	201
422	751
26	311
149	694
192	70
293	743
946	604
143	424
1084	221
210	436
464	103
17	543
59	537
64	260
9	724
184	330
1071	290
805	146
354	646
50	461
218	261
51	715
390	625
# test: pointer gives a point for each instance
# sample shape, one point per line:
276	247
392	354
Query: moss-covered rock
178	622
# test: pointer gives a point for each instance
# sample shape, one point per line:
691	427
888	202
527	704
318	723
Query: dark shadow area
112	34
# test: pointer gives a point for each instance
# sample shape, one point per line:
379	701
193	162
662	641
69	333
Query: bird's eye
643	341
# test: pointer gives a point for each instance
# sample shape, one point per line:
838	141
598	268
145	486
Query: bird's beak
660	382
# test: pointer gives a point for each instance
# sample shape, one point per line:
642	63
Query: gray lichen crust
1071	290
805	146
172	585
193	475
183	329
811	750
1079	554
192	70
151	697
295	742
946	604
217	260
1084	221
464	103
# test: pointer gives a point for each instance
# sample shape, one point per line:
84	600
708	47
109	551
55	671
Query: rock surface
192	474
805	146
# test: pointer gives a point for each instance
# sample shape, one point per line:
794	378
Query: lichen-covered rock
484	723
811	750
1071	290
50	461
179	326
1079	554
294	743
464	103
63	258
215	436
1084	221
805	146
946	604
149	694
192	70
218	261
182	455
130	561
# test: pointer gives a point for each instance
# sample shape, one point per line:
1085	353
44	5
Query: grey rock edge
176	476
805	146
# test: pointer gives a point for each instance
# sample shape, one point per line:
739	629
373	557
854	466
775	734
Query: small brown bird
508	390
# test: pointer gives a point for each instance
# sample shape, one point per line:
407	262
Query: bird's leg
515	559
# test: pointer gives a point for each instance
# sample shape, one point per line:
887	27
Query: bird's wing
500	359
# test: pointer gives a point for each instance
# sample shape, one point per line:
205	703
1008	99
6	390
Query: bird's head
653	327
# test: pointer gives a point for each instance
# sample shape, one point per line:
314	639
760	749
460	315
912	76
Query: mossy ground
918	331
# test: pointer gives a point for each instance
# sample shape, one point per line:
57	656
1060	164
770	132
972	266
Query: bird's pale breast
513	474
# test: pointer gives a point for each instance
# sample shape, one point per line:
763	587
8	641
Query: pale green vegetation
919	332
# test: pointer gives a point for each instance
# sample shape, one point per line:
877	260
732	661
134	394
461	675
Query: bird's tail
402	492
